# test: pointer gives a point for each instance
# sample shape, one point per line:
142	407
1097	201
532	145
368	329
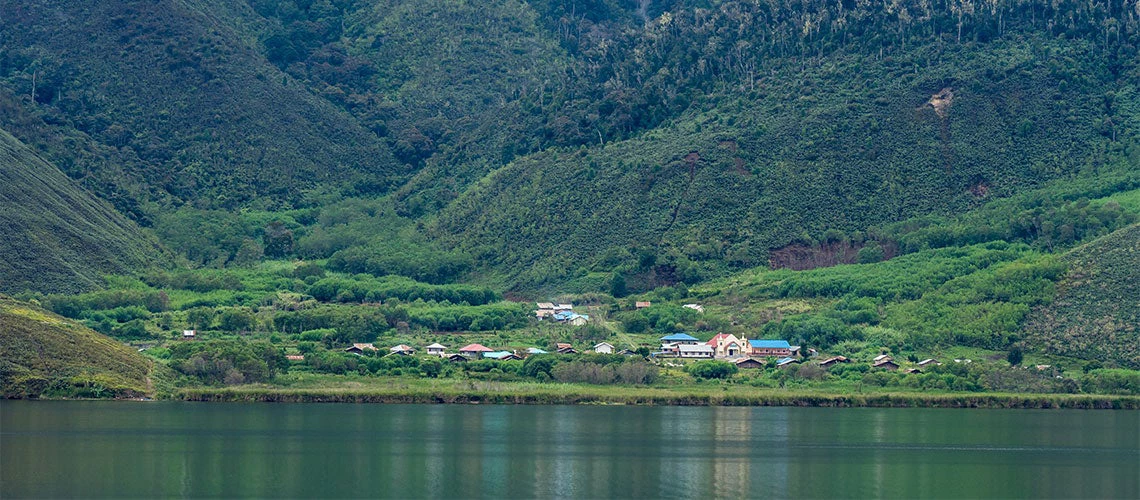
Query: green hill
58	237
185	88
44	354
1096	313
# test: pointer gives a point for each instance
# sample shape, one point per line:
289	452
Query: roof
562	345
475	348
188	333
641	304
546	305
748	360
881	357
928	361
784	361
535	350
679	337
498	354
716	338
437	345
295	357
770	344
602	344
401	348
563	306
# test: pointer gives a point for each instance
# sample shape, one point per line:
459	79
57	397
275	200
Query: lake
158	449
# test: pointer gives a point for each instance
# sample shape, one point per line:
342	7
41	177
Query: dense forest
913	174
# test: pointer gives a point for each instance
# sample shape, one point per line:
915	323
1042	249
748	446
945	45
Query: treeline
228	362
362	288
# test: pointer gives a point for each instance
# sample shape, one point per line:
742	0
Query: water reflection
54	449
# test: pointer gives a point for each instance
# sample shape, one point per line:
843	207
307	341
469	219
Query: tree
712	369
278	240
1015	356
617	286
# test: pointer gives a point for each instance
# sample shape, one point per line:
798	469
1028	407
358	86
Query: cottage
562	345
697	351
189	334
535	350
474	350
881	358
360	348
833	360
912	370
604	348
436	349
696	307
748	363
403	349
457	358
727	346
501	355
886	364
567	350
770	348
642	304
785	362
929	362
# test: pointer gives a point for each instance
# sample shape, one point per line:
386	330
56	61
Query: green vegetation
44	355
288	177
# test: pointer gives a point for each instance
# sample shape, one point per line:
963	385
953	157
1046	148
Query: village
675	349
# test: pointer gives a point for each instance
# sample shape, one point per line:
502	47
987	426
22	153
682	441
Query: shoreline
657	398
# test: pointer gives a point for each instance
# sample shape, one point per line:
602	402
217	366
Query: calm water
91	449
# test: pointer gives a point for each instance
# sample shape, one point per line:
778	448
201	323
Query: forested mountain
557	145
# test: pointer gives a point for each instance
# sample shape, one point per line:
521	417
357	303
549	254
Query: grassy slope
1096	313
843	146
44	354
184	85
58	237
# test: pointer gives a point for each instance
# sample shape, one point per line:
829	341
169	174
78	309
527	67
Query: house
360	348
436	349
474	350
696	307
567	350
406	350
457	358
501	355
189	334
833	360
696	351
563	307
295	357
912	370
882	357
886	364
769	348
727	346
748	363
641	304
679	338
562	345
627	352
535	350
571	317
785	362
604	348
929	362
670	349
545	305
